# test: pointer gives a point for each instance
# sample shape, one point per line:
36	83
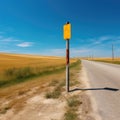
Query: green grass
55	93
70	115
75	64
19	75
25	74
73	104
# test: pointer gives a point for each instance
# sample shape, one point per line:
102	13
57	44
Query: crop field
18	68
108	60
18	61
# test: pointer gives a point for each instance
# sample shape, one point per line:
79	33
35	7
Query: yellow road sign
67	31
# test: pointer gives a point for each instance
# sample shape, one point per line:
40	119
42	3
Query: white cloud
62	52
7	39
101	39
25	44
7	51
78	51
104	38
55	52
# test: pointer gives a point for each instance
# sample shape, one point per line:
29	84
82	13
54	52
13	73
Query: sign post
67	36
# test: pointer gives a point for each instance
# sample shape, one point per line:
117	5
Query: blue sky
36	27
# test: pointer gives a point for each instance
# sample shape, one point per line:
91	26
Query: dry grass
19	93
108	60
16	68
18	61
16	95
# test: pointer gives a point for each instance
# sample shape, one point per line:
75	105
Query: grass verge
73	104
54	94
25	74
58	85
44	82
73	101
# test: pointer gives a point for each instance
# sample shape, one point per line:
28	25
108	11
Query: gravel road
102	76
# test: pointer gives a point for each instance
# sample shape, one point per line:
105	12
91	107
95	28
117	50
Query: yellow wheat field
14	66
18	61
107	59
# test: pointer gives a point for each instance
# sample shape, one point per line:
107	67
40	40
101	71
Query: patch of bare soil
38	107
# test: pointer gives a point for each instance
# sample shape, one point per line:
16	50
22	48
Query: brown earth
31	104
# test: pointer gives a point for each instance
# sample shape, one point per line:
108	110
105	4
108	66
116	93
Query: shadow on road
106	88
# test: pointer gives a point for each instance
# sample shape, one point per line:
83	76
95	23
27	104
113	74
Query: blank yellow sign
67	31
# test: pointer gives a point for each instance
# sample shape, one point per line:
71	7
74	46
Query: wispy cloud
76	51
62	52
25	44
103	39
54	52
7	51
8	39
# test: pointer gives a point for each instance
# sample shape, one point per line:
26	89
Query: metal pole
67	65
112	52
